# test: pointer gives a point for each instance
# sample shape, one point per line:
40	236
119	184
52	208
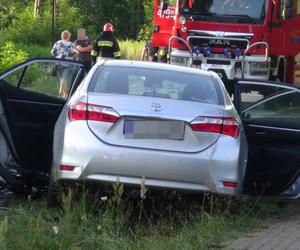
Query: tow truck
244	39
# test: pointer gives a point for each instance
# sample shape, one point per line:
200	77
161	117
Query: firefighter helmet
108	27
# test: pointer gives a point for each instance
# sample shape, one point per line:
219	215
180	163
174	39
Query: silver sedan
169	126
172	126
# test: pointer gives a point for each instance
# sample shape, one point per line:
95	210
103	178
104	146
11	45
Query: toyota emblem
156	107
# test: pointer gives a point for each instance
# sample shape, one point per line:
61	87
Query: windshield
249	10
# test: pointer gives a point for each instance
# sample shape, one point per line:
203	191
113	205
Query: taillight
222	125
66	168
77	111
92	112
230	184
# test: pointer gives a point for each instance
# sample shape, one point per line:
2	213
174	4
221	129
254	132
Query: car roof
154	65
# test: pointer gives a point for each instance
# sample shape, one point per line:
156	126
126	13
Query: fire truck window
298	7
286	13
280	9
171	3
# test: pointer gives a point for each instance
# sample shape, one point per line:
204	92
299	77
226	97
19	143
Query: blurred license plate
141	129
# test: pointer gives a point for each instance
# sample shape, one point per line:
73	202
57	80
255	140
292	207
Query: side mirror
164	5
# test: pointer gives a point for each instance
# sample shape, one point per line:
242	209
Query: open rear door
30	105
271	116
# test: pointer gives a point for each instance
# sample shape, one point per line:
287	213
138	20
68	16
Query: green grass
170	222
34	51
129	49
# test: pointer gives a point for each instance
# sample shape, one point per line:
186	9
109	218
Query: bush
10	56
26	28
131	50
33	30
35	51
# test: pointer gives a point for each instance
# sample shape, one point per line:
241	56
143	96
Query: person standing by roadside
106	46
84	46
64	49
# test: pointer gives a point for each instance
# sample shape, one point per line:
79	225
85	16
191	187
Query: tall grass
165	221
34	51
129	49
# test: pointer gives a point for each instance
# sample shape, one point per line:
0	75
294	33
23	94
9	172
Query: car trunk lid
153	123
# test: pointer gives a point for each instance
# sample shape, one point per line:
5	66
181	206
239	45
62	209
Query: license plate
141	129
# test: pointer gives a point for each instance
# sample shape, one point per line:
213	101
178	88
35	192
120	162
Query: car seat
193	92
117	83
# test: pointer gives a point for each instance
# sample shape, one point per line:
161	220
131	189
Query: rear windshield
156	83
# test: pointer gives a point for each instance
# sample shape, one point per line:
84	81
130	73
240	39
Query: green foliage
132	19
69	18
10	56
145	33
34	51
171	221
146	30
3	232
131	50
25	28
128	16
9	10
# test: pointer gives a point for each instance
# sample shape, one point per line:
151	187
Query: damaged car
171	126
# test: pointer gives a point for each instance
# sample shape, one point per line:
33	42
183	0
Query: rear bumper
97	161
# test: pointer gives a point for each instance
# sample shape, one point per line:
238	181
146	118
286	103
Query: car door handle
259	131
52	109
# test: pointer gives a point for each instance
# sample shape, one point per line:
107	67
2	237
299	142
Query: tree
131	18
36	10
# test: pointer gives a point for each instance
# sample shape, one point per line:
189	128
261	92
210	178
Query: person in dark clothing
106	45
84	47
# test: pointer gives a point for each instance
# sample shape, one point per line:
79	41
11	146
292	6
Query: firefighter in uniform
106	45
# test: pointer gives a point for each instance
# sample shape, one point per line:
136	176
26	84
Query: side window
14	78
287	10
298	7
280	9
254	93
282	106
171	3
271	102
53	79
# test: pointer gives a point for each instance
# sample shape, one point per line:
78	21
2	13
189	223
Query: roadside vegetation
145	220
12	54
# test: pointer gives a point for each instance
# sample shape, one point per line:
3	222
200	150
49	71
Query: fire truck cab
251	39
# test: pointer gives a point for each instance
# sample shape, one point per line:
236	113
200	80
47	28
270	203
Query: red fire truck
252	39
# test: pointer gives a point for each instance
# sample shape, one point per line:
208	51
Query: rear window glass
156	83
